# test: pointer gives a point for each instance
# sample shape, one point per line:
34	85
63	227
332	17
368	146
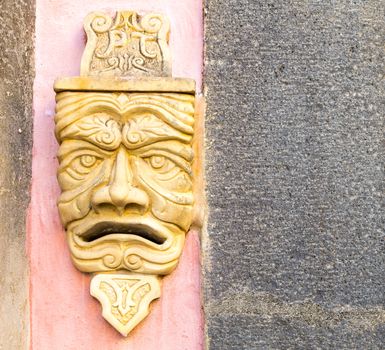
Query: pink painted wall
63	314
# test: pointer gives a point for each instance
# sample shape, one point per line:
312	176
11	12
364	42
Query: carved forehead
103	130
176	110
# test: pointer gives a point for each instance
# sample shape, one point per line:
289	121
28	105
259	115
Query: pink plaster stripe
63	314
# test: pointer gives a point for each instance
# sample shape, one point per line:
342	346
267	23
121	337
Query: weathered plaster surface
295	170
63	314
16	72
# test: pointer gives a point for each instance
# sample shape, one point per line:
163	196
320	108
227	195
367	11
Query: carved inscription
128	45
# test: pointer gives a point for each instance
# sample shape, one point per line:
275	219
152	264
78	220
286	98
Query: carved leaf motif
125	298
98	129
140	129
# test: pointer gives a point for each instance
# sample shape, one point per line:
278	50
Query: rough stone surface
294	250
16	33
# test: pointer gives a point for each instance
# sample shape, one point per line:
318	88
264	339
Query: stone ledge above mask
119	84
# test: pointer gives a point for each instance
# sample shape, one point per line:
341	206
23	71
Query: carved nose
120	192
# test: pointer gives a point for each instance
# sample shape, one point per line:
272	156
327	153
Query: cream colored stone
125	298
125	84
126	178
128	45
126	162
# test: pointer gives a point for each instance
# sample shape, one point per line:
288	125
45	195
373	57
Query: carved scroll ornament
125	164
127	45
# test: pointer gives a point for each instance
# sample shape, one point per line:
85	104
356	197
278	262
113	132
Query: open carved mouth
104	229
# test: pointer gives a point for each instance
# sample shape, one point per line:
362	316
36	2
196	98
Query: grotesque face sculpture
126	178
125	129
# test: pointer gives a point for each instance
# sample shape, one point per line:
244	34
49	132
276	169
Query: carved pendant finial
128	45
125	298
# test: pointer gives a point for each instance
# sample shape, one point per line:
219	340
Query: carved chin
140	245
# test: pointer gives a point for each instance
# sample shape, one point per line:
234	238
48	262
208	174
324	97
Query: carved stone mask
126	178
125	129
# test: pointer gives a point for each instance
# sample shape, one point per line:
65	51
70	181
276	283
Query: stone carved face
126	178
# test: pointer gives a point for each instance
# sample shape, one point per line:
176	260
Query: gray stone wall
16	78
294	252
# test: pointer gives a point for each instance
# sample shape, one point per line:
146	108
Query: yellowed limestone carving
126	179
125	298
125	162
127	45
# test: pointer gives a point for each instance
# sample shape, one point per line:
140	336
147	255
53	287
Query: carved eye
157	161
82	166
170	171
160	163
88	160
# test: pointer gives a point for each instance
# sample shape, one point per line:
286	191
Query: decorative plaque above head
127	45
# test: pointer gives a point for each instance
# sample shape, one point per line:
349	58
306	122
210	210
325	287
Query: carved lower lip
103	229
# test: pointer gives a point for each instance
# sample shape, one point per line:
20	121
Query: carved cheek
164	210
170	193
75	201
179	182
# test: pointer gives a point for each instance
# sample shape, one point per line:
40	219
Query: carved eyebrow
99	129
177	159
147	129
173	147
69	149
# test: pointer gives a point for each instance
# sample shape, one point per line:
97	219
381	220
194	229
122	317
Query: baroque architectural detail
125	162
125	298
126	178
129	44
